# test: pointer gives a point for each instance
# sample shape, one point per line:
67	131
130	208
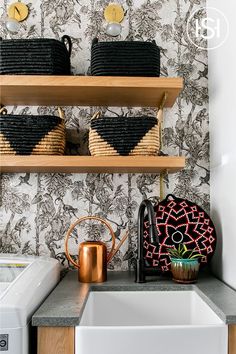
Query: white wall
222	91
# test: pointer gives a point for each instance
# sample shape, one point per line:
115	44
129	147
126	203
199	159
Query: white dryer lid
24	284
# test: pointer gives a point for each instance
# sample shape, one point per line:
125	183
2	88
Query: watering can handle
77	223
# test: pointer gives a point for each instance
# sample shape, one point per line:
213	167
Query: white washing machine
24	284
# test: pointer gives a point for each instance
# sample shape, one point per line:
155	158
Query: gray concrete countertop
65	304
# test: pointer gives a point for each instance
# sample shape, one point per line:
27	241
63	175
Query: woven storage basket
38	56
111	136
31	135
125	58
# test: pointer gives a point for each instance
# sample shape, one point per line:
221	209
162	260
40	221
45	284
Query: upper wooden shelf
88	90
91	164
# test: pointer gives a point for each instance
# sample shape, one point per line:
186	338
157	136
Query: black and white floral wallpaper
37	209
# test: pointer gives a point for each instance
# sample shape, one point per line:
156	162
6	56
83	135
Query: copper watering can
92	257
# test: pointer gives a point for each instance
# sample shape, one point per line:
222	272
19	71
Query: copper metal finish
92	259
93	262
124	238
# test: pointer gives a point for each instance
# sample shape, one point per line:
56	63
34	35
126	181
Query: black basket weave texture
38	56
127	58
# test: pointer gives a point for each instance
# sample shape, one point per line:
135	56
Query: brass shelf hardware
160	118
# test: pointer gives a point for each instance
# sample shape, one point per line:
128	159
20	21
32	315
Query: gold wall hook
18	11
114	13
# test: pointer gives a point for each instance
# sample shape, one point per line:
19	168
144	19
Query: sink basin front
152	322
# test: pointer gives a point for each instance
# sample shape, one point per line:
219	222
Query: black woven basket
31	135
125	58
110	136
40	56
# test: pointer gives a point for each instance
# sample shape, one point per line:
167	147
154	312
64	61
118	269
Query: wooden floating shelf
88	90
91	164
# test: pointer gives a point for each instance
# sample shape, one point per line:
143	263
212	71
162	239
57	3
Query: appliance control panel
3	342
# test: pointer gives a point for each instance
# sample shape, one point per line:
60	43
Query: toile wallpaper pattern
37	209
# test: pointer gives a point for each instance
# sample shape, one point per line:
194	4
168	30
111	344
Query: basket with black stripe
124	136
37	56
125	58
31	134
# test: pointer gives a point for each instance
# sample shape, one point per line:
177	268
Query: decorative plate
179	221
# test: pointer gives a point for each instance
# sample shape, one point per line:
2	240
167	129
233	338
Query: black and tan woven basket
35	56
111	136
32	135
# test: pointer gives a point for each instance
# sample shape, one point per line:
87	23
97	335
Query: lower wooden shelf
91	164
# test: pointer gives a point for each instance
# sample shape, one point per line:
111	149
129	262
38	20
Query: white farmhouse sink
149	322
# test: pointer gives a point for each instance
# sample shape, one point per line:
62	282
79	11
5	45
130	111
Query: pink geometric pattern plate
179	221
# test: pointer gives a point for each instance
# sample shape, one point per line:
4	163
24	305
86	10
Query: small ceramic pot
184	270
